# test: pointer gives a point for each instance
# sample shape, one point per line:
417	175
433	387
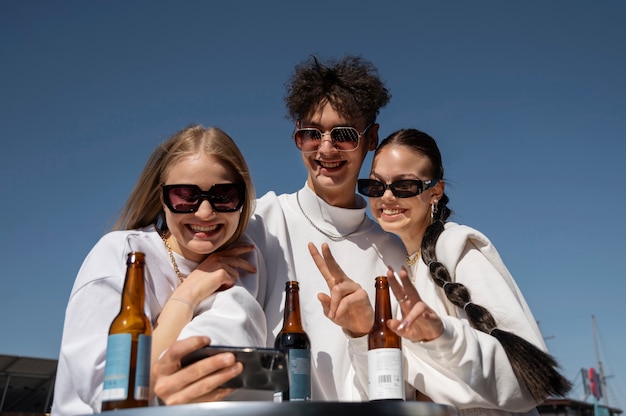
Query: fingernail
403	325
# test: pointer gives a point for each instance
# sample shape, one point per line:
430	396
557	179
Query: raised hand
219	271
419	322
197	382
348	304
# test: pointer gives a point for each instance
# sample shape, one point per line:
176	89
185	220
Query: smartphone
263	368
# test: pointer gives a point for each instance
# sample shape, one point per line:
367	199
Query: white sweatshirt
235	317
281	231
464	367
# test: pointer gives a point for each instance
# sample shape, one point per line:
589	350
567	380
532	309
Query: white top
95	301
282	232
464	367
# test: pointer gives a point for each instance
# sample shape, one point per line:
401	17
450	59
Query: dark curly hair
351	85
534	367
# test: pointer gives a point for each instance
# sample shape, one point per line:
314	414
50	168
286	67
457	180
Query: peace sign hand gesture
348	304
419	321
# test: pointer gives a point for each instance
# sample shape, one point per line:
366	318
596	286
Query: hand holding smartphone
263	368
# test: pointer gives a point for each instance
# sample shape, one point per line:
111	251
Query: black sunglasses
223	197
403	188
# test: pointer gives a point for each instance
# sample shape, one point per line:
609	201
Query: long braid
535	368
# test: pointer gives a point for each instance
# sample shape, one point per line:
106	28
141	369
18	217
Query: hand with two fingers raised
419	322
348	304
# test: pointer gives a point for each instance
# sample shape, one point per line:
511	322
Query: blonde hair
144	208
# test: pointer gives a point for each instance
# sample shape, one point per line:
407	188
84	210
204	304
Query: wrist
354	334
183	301
186	292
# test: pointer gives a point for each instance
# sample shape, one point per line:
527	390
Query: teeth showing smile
203	229
389	211
329	165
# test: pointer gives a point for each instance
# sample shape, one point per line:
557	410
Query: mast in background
603	387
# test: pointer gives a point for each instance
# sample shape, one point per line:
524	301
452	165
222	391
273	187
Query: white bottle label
385	374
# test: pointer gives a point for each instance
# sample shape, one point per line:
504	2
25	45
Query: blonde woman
187	212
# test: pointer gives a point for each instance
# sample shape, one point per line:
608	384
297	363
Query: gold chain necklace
172	259
412	259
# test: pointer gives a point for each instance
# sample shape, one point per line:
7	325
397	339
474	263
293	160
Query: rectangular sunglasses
223	197
346	139
403	188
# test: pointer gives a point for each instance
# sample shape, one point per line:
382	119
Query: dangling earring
433	211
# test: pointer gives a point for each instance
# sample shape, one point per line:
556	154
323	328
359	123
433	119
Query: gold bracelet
185	302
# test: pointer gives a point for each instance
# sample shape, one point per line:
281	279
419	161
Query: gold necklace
412	259
172	259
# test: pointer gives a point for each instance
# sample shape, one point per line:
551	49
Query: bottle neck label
385	374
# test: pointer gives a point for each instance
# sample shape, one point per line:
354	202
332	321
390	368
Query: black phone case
263	368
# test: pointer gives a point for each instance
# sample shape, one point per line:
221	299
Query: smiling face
332	174
197	234
405	217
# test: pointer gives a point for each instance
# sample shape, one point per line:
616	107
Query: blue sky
526	99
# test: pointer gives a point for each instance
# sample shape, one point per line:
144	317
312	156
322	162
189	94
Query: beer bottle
384	355
294	342
127	368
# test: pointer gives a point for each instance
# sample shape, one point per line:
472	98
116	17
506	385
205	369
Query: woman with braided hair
471	340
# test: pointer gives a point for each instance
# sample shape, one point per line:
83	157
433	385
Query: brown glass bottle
294	342
127	368
384	356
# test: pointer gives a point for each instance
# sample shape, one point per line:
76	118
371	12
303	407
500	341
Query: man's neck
340	197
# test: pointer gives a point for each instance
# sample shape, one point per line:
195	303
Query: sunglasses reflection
187	198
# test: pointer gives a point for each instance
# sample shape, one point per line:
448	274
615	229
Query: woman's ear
438	191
